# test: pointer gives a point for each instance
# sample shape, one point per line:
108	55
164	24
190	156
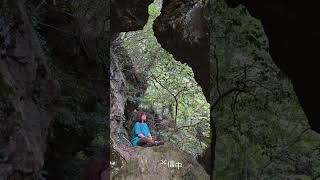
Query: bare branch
216	102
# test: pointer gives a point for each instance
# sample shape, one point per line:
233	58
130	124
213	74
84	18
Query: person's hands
141	136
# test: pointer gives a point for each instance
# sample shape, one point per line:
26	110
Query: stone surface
152	163
38	75
129	15
126	80
182	30
293	34
24	72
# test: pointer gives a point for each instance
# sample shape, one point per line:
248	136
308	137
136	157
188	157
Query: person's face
143	117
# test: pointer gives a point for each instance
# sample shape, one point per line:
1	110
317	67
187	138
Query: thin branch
40	4
181	127
186	126
153	77
224	95
55	28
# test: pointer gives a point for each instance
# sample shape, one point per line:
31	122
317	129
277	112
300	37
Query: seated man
142	136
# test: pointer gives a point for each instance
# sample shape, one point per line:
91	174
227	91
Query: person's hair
139	115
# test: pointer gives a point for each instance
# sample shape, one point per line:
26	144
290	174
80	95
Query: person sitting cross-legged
142	136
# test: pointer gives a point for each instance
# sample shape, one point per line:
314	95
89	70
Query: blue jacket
139	128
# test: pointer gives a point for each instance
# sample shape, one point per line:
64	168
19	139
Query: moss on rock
155	163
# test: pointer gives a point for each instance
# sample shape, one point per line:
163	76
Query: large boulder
182	30
153	163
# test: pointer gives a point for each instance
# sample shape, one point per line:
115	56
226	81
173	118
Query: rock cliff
293	39
182	30
53	84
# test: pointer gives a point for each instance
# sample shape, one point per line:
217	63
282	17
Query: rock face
290	27
152	163
182	30
129	15
118	95
293	34
46	69
126	80
25	81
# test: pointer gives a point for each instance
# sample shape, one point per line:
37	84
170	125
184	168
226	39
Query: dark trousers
142	141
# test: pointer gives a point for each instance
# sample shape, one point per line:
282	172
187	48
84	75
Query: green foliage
169	78
170	84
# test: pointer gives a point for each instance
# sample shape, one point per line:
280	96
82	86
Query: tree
171	92
171	87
